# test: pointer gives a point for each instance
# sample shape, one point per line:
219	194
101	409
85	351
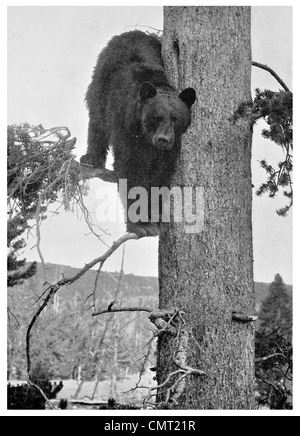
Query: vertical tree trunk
115	366
209	274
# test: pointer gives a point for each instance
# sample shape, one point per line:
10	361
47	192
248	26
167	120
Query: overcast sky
51	54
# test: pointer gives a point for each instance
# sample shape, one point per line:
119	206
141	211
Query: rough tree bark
208	275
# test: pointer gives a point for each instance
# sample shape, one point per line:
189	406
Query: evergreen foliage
27	397
274	351
113	405
273	370
34	179
277	110
22	196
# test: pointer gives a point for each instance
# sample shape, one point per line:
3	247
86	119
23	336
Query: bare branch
263	359
275	75
122	309
10	313
241	317
141	25
95	285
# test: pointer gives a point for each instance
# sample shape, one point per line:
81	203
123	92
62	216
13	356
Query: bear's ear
188	96
147	91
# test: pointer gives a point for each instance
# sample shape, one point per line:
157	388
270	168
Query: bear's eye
174	119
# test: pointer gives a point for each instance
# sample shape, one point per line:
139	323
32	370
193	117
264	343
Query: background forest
72	345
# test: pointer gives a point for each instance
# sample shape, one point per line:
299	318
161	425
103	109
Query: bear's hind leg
143	229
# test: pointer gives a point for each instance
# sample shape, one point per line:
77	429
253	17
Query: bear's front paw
143	229
92	161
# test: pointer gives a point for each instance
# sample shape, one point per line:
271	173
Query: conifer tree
22	202
276	310
35	157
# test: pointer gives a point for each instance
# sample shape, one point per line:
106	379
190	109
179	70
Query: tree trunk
209	274
114	363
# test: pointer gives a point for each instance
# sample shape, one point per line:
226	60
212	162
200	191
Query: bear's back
124	50
124	64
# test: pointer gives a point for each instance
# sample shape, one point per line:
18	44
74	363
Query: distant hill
135	286
139	285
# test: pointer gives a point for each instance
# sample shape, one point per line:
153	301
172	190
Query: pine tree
35	161
22	201
276	310
273	348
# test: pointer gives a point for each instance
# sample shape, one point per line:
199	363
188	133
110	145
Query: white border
136	413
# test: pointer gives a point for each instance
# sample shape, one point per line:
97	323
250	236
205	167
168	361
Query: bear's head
165	115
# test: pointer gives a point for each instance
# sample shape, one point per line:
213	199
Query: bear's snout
164	143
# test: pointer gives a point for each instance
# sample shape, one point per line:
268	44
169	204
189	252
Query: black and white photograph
149	212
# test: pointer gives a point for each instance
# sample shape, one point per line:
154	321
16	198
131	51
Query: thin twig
14	316
96	283
141	25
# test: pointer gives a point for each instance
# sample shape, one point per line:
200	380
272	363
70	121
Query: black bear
133	109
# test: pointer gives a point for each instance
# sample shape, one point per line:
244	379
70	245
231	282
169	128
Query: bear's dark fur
133	108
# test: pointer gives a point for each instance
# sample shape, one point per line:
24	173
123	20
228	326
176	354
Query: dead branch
265	358
272	72
180	358
241	317
95	286
54	134
122	309
157	317
10	313
118	287
173	392
154	388
143	26
38	215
